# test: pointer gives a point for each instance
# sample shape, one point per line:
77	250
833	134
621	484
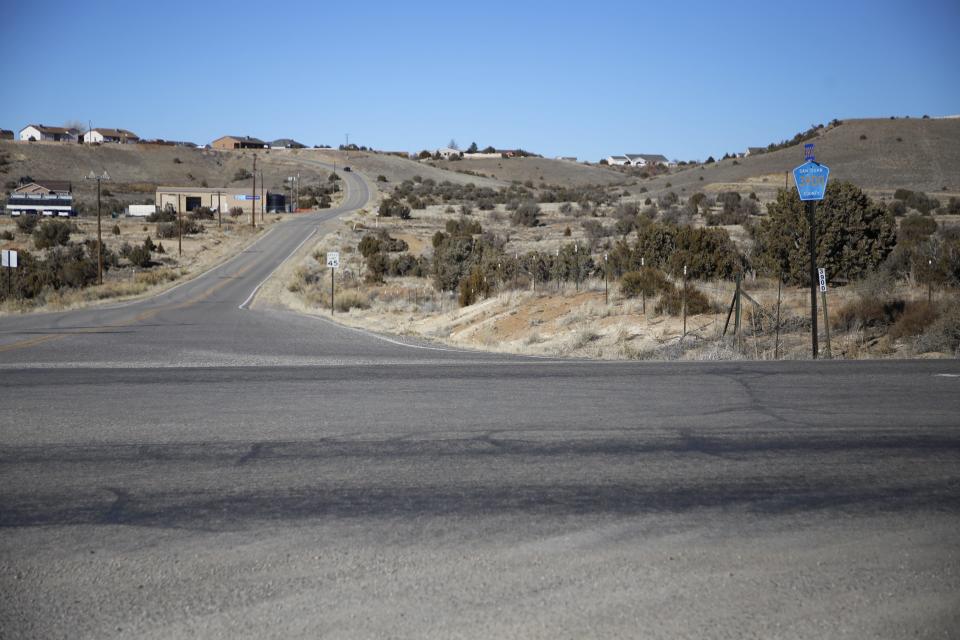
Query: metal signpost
333	261
9	260
822	274
811	180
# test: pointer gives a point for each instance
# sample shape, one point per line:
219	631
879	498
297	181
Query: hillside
916	154
396	169
537	170
136	170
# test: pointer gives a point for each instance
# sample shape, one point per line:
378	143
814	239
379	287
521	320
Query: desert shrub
27	223
671	301
236	212
916	317
378	265
407	264
381	241
647	281
566	208
463	227
6	235
474	287
868	311
952	207
916	200
381	178
172	230
201	213
167	214
527	214
854	235
943	334
391	207
139	256
242	174
348	299
52	233
116	230
916	228
897	208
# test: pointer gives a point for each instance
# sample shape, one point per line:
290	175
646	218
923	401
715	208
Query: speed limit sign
333	259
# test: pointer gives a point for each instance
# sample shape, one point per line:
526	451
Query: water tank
276	202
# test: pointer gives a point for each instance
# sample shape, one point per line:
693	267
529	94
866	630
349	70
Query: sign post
822	273
811	180
10	261
333	261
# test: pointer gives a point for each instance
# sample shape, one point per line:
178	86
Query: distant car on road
346	169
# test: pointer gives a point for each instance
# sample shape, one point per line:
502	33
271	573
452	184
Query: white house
44	132
119	136
446	153
618	160
645	159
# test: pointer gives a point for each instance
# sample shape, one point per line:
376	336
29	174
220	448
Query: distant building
646	159
287	143
618	160
446	153
118	136
753	150
40	132
41	197
187	199
238	142
6	134
567	158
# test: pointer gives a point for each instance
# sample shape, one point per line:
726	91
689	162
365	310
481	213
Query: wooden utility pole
776	343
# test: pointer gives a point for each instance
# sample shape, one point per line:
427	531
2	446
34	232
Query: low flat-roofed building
187	199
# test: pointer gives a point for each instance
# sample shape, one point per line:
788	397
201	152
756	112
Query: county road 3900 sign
811	179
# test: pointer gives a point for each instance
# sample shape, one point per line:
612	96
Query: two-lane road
183	467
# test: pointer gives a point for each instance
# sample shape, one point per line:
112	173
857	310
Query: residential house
117	136
41	197
646	159
238	142
446	153
33	132
618	160
753	150
286	143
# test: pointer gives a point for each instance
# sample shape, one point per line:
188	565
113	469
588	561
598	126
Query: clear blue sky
686	79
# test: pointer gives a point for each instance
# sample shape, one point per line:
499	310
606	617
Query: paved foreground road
184	467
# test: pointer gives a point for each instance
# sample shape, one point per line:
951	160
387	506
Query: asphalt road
189	467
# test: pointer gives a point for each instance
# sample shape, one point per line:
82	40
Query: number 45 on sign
333	259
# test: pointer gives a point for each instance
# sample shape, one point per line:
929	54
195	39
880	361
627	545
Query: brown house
238	142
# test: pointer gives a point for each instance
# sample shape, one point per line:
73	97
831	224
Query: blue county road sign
811	179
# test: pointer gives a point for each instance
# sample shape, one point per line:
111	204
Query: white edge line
244	304
371	334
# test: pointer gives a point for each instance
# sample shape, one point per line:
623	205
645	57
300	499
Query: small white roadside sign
822	273
9	258
333	259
